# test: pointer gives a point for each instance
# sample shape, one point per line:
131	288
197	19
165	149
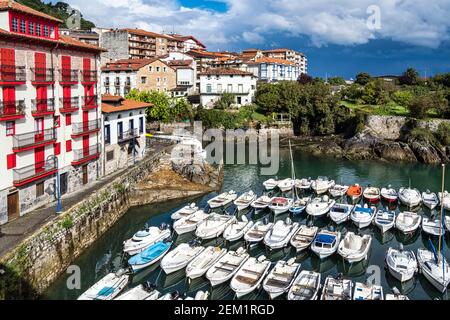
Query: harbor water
106	254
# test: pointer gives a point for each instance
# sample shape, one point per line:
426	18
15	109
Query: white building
123	131
49	115
186	69
215	82
273	70
296	57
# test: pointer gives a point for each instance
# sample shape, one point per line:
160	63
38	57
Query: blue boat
149	256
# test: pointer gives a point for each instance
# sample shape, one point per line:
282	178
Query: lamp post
57	183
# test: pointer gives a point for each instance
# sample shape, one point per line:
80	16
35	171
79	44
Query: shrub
422	134
67	222
443	133
419	106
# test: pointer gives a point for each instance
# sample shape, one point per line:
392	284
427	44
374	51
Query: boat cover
364	210
325	238
149	254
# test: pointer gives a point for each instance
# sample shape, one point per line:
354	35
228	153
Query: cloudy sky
339	37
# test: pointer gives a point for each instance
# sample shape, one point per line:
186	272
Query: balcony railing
12	73
117	83
12	109
127	135
85	154
90	102
225	91
42	106
85	127
33	172
69	104
42	75
89	75
68	75
33	139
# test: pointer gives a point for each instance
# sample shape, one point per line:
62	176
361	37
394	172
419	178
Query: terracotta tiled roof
226	71
202	53
124	105
272	61
179	62
15	6
184	38
141	32
109	97
281	50
128	64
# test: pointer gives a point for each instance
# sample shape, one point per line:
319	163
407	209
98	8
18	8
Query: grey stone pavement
12	233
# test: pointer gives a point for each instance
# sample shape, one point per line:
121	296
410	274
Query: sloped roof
272	61
6	5
226	71
125	104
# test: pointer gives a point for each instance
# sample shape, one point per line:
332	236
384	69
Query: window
150	68
15	25
40	189
110	155
31	27
39	125
117	91
52	32
23	26
57	121
68	119
38	29
208	88
143	80
164	80
157	69
57	147
107	134
240	88
141	125
68	145
46	31
230	88
10	128
11	161
158	79
107	90
165	69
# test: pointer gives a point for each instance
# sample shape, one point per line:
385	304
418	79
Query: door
107	134
120	130
65	72
13	206
39	129
9	98
8	64
85	121
41	98
85	146
39	159
85	174
63	182
40	66
67	94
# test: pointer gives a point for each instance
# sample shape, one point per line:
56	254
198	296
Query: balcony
12	75
34	139
84	155
89	76
42	107
68	105
89	102
28	174
68	76
12	110
42	75
117	83
127	135
84	128
220	92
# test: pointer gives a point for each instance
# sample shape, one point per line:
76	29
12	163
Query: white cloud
423	23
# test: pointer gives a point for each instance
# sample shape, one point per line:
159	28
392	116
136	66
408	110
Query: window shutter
68	145
11	161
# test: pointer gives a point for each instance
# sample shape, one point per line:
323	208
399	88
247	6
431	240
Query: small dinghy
250	276
244	200
278	237
340	212
258	232
189	223
303	238
108	287
303	184
396	295
299	205
149	256
280	205
145	291
184	212
338	190
408	222
322	184
337	288
354	192
385	220
402	265
445	199
319	206
372	194
389	194
281	277
409	197
436	270
261	203
145	238
325	243
430	199
200	295
305	287
225	268
432	227
205	260
237	229
367	292
362	216
213	226
270	184
222	199
175	295
354	248
286	184
179	257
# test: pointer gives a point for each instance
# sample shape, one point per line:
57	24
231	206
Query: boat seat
225	269
283	275
246	280
252	272
277	283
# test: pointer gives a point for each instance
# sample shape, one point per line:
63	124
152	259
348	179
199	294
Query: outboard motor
266	221
149	286
288	221
163	226
175	295
340	276
400	247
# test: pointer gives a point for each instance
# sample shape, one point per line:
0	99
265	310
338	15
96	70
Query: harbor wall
28	269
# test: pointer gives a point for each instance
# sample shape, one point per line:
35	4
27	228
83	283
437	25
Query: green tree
353	92
403	97
226	100
304	79
267	97
363	78
160	111
181	110
409	77
336	81
420	105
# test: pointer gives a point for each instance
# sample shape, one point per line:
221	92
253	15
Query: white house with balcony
186	70
273	70
215	82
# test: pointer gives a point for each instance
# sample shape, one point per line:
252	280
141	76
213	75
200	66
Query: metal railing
127	135
117	83
69	103
80	154
36	170
90	101
89	75
12	108
29	139
225	91
42	105
84	127
13	73
42	74
68	75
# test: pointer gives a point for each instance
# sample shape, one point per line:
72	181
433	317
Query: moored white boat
402	265
305	287
179	257
408	222
444	198
337	289
354	248
175	295
205	260
396	295
189	223
280	205
354	192
257	232
286	184
322	184
184	212
384	220
367	291
338	190
318	207
371	194
447	222
224	269
281	277
430	199
222	199
303	238
145	291
237	229
270	184
389	194
299	205
150	255
362	216
261	203
108	287
213	226
410	197
325	243
303	184
436	271
145	238
244	200
250	275
279	235
432	227
340	212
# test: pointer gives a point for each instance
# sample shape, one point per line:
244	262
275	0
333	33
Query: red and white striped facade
49	108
